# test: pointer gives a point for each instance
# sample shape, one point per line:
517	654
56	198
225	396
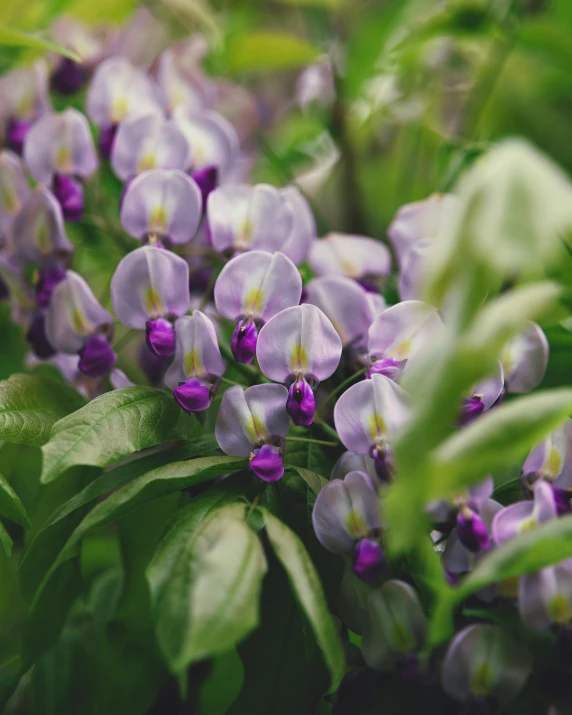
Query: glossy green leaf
12	37
498	439
30	405
11	506
262	51
306	585
210	600
110	427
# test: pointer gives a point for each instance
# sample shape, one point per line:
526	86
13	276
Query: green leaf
30	405
210	600
309	592
500	438
6	540
264	51
11	506
12	37
110	427
314	481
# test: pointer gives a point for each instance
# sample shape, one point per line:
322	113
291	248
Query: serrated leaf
264	51
31	405
498	439
11	506
308	590
110	427
12	37
210	600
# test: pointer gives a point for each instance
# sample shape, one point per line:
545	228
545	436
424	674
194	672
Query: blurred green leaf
110	427
210	600
11	506
262	51
12	37
306	585
6	540
31	405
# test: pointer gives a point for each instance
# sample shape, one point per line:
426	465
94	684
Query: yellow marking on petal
244	233
376	426
355	525
158	219
63	160
153	303
43	238
401	351
25	105
482	680
401	638
80	322
199	156
553	465
299	358
146	162
527	525
350	269
193	365
558	609
10	200
253	303
256	430
119	109
507	360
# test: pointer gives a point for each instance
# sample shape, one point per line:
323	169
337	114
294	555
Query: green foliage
11	506
12	37
263	51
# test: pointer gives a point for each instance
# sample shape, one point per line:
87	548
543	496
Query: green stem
246	370
330	431
342	387
230	382
312	441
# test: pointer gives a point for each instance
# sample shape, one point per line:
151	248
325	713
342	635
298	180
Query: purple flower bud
388	367
267	464
50	275
69	192
562	499
160	337
382	462
153	366
69	77
4	292
37	337
96	357
106	139
193	395
16	133
472	531
472	407
301	403
368	561
243	342
207	181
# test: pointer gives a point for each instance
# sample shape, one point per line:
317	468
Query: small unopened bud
369	562
243	342
96	357
193	395
160	337
301	403
69	192
388	367
266	463
472	531
207	180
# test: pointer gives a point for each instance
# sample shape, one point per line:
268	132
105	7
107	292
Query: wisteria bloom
346	519
38	231
244	218
400	334
254	423
148	142
303	231
299	347
23	98
352	462
197	367
551	461
162	204
356	257
77	323
59	151
14	190
351	309
179	74
149	291
525	359
368	415
118	91
484	395
485	667
251	289
395	630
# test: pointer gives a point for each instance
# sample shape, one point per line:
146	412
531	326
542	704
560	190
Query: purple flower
165	203
69	192
351	256
303	231
69	77
149	290
551	460
351	462
347	305
483	661
251	289
482	397
524	360
248	420
524	515
243	218
37	338
107	135
368	415
300	347
24	98
396	626
49	276
14	188
316	84
96	357
196	370
207	180
180	75
472	531
368	561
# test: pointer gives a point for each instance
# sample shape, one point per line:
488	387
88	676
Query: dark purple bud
207	180
69	192
472	531
368	561
160	336
50	275
36	336
16	133
193	395
471	409
388	367
96	357
562	499
4	292
383	463
301	403
106	138
243	342
69	77
266	463
154	366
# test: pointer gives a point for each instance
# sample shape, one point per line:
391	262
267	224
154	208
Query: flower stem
330	431
342	387
312	441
